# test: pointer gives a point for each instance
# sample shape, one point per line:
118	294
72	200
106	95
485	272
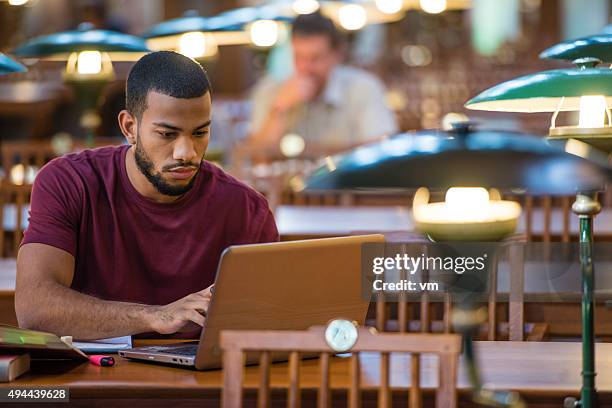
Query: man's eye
167	135
201	133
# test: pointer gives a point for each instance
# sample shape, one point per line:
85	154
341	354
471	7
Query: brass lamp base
599	138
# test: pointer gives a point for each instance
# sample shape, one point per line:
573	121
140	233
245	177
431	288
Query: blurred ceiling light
196	44
433	6
17	2
395	100
352	17
292	145
264	33
390	6
416	55
305	6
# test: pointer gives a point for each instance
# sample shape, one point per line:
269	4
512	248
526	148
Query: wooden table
544	373
302	222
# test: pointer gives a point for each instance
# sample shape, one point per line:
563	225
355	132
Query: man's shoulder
357	78
232	188
79	165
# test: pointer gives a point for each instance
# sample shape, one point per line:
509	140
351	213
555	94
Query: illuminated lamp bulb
292	145
305	6
264	33
196	44
592	111
433	6
352	17
467	202
89	62
389	6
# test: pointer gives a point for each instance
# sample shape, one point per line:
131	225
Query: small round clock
341	335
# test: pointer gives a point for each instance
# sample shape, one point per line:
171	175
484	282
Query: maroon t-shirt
129	248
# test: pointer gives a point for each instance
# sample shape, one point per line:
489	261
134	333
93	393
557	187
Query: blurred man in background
328	104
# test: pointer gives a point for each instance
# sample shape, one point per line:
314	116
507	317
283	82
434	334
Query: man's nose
184	150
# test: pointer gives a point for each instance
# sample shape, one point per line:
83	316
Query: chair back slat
529	217
233	372
294	380
354	400
446	394
414	395
324	391
492	309
263	396
384	392
565	211
547	210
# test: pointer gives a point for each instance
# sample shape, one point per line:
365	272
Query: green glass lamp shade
84	39
464	158
232	20
543	91
597	46
9	65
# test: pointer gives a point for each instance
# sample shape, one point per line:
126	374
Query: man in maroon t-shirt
125	240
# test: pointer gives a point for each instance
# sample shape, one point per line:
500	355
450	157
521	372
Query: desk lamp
588	90
199	37
464	157
89	67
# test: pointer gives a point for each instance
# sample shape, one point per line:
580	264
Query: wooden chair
14	202
396	315
235	343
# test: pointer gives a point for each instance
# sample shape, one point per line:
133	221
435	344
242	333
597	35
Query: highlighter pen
102	361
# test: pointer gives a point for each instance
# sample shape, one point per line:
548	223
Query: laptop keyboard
184	351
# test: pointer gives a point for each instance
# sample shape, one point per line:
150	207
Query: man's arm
271	120
44	301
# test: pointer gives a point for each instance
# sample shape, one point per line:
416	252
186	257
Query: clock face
341	335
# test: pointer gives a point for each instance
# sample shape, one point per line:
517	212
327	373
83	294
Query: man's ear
128	126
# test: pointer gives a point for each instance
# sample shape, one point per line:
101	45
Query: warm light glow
17	2
592	111
433	6
21	174
196	44
264	33
352	16
89	62
292	145
389	6
305	6
463	205
467	202
468	213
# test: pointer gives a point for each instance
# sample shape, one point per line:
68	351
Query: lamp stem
586	207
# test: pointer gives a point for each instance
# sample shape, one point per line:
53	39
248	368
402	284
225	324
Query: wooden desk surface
550	370
315	221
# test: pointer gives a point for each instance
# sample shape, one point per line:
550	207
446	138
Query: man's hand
186	314
296	90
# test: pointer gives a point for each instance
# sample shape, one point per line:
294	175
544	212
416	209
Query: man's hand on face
184	315
294	91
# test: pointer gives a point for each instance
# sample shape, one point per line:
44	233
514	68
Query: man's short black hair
166	72
316	24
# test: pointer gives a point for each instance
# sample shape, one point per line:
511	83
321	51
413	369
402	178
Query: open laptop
276	286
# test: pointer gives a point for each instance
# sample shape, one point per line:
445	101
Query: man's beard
146	167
